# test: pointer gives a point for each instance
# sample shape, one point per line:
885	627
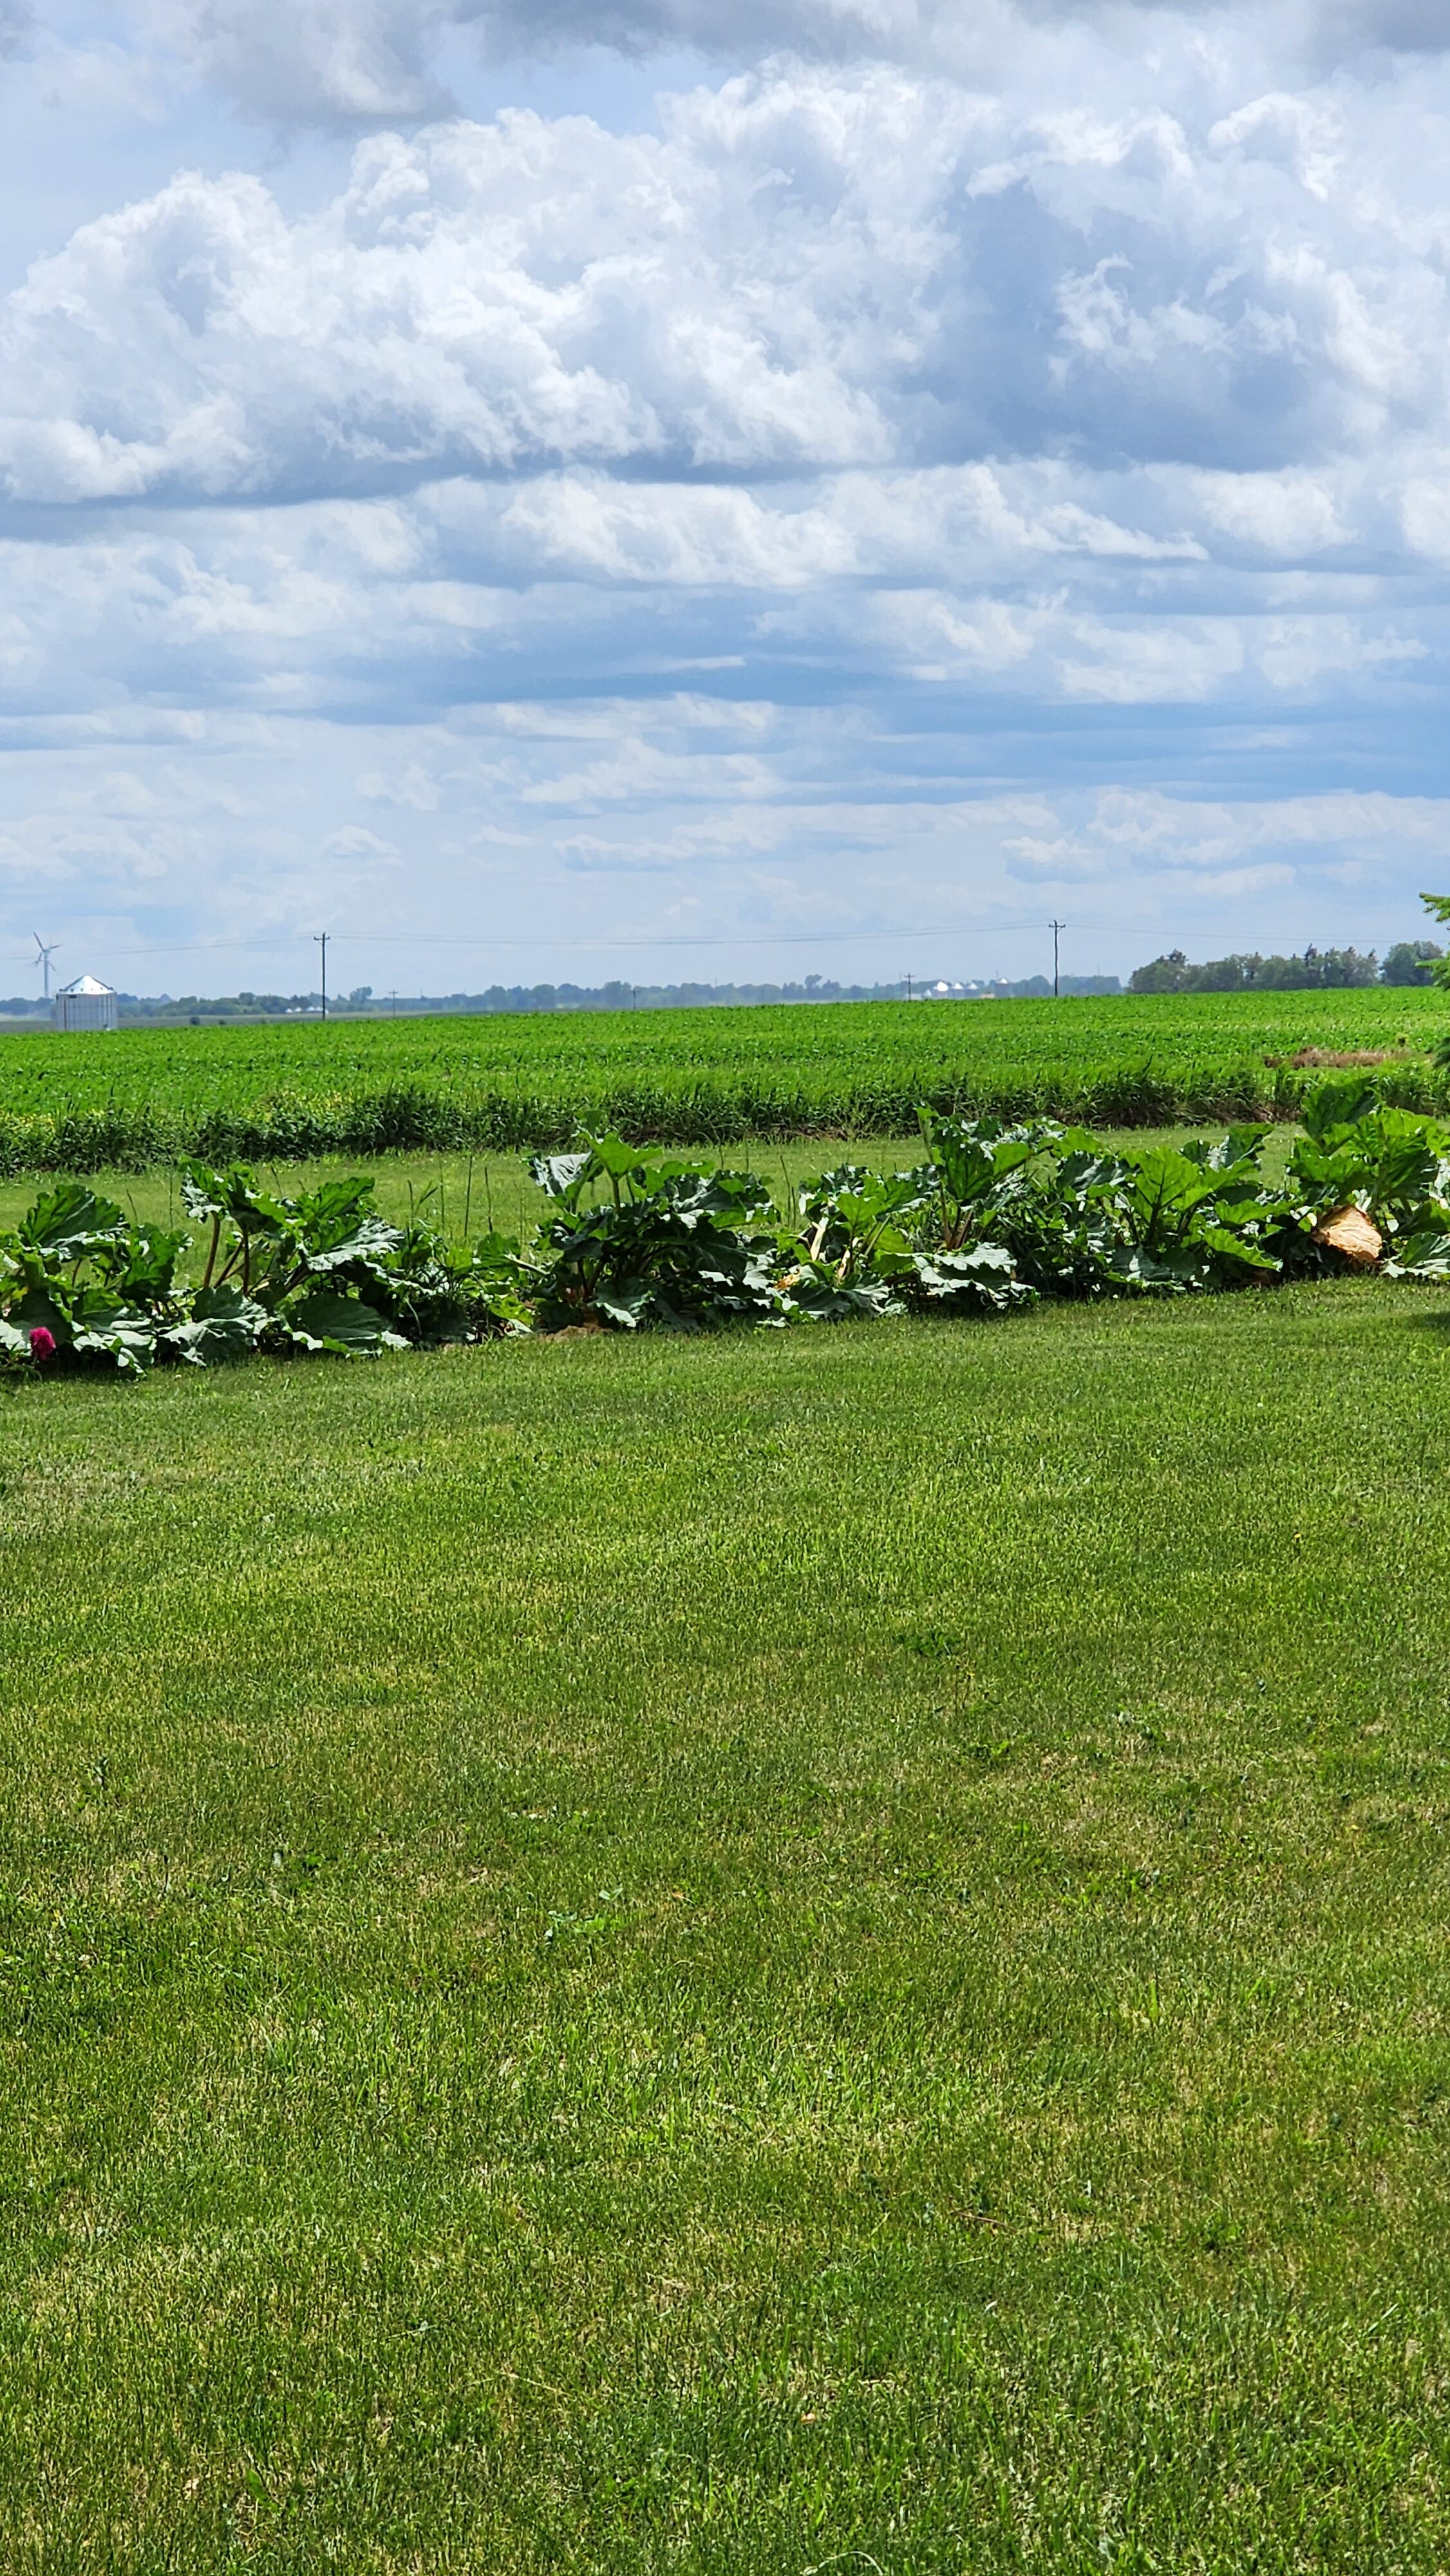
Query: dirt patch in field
1339	1057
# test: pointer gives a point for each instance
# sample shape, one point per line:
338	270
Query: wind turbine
43	956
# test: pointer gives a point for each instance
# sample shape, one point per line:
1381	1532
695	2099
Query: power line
632	944
484	939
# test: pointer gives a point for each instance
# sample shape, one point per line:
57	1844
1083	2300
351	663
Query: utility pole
909	995
1056	928
320	940
393	998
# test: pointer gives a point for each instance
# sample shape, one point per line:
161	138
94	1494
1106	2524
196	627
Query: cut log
1348	1230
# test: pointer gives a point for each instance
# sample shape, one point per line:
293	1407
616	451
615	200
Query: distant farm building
85	1004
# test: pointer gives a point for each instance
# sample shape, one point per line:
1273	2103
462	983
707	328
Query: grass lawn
796	1952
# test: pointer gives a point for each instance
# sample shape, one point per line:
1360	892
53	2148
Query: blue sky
707	488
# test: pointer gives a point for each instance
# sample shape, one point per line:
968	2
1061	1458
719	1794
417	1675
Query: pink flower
42	1342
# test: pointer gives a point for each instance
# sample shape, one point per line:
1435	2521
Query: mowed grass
822	1950
141	1096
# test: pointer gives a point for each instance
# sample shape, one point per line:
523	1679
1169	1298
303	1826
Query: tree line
1410	961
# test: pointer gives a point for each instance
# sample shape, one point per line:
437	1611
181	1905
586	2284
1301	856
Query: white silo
85	1004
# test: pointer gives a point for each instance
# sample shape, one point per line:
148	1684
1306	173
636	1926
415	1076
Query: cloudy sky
718	487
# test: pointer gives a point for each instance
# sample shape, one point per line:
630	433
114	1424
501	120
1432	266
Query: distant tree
1335	969
1348	964
1164	975
1319	969
1220	975
1411	961
360	993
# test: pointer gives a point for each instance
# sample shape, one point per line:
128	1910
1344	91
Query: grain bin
85	1004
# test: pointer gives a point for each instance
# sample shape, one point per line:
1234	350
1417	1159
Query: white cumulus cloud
802	271
829	480
350	60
